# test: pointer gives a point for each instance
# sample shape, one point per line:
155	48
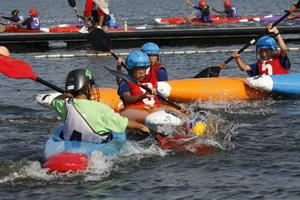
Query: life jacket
233	12
152	71
136	90
35	24
271	66
76	127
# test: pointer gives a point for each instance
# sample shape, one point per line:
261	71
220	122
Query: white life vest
77	129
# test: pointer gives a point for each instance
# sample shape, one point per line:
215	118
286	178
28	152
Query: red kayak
65	28
185	143
14	29
215	20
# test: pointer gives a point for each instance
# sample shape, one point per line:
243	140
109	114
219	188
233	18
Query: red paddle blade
14	68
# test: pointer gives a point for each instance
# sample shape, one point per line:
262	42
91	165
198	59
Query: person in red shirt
271	61
101	9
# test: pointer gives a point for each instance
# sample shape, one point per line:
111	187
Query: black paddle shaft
49	85
253	41
134	81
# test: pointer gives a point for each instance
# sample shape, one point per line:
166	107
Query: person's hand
144	129
184	110
235	55
272	30
121	61
293	9
222	65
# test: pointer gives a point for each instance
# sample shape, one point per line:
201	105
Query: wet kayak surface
261	163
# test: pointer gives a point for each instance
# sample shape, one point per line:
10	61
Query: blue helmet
137	59
266	42
150	48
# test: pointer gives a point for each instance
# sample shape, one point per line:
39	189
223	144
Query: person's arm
27	21
137	125
162	74
219	12
190	3
280	40
240	63
130	99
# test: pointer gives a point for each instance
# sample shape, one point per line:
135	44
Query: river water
261	163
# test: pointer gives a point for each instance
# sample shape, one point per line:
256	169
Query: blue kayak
282	84
63	156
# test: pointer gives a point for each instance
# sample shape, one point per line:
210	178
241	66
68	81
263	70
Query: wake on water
220	130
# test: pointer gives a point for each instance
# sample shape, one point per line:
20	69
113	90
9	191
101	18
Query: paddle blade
14	68
209	72
72	3
100	40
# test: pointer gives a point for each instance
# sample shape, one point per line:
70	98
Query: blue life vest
35	24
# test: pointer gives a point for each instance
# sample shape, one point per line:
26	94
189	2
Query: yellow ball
199	128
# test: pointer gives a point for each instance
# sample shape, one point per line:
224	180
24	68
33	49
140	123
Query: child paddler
153	52
229	10
32	22
15	17
203	13
85	119
271	60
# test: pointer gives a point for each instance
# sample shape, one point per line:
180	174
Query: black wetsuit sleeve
27	22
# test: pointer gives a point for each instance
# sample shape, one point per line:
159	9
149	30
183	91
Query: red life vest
152	72
272	66
135	90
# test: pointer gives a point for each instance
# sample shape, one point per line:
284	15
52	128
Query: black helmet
77	79
15	13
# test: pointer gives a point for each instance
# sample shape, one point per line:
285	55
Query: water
263	162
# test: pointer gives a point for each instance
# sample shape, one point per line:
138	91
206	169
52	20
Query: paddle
215	71
101	41
134	81
72	3
18	69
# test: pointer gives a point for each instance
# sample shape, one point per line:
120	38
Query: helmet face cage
94	93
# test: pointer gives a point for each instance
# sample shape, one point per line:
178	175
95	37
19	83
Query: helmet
150	48
137	59
227	3
15	13
77	79
33	12
266	42
202	3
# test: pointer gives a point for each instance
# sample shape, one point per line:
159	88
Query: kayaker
152	50
137	63
101	12
229	10
32	22
138	103
4	51
15	16
85	119
271	61
295	6
203	13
